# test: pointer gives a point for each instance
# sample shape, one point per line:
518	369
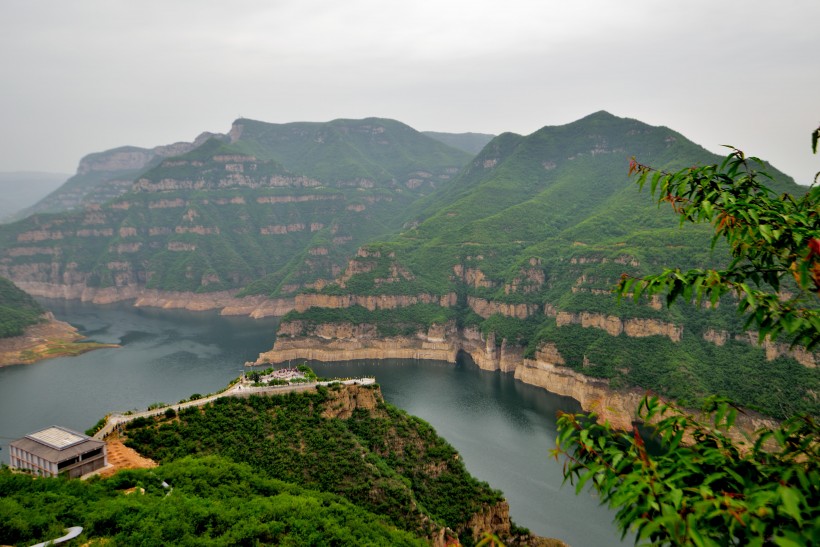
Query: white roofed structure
55	450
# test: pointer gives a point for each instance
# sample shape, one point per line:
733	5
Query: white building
56	450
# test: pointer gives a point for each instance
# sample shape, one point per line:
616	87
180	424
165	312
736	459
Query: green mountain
531	238
18	310
522	242
271	209
102	176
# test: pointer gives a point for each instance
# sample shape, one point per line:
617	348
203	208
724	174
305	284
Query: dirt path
122	457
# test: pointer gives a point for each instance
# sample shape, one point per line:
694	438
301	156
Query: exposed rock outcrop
614	325
345	342
371	302
342	402
226	301
348	342
486	308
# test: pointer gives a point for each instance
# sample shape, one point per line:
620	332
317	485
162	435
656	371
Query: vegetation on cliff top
379	458
701	487
18	310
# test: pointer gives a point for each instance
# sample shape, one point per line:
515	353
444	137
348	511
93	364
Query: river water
502	428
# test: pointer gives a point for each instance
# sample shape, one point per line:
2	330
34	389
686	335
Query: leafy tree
774	240
701	485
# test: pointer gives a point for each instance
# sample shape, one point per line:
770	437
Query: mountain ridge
523	243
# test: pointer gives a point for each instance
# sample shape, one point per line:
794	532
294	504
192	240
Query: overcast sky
87	75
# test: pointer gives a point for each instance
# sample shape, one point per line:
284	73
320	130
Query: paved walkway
236	390
73	532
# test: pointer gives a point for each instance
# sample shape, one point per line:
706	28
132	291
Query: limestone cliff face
226	301
491	518
374	302
345	342
613	325
131	158
486	308
348	342
594	394
341	403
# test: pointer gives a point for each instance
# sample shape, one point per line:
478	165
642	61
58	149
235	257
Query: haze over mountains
23	189
370	221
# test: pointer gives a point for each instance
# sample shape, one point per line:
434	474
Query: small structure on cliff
56	450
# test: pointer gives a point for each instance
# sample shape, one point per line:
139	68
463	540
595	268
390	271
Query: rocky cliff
102	176
345	342
225	301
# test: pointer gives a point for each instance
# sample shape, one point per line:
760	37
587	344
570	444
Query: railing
236	390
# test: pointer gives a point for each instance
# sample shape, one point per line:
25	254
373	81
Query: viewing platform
242	388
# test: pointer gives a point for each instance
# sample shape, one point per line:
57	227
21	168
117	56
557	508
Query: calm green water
503	428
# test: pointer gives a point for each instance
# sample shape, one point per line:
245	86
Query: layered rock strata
347	342
225	301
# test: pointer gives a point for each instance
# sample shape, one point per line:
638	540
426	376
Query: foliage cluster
211	501
18	310
774	241
702	486
378	459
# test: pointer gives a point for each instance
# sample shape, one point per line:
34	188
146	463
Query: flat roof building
55	450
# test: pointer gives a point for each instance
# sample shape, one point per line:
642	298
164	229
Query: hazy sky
82	76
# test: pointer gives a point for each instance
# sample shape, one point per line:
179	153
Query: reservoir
503	428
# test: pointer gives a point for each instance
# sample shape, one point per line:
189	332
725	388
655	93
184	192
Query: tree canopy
700	485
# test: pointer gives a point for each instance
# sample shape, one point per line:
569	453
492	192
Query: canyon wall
225	301
346	342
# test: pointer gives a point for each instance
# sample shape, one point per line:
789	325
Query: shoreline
545	370
441	342
46	340
225	302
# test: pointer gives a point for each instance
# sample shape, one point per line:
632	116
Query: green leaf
790	499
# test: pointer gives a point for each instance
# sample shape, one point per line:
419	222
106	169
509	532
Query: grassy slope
17	309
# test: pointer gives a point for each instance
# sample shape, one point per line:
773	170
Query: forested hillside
343	440
271	209
17	310
214	501
527	244
333	466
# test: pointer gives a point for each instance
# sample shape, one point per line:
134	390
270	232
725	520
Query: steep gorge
546	369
